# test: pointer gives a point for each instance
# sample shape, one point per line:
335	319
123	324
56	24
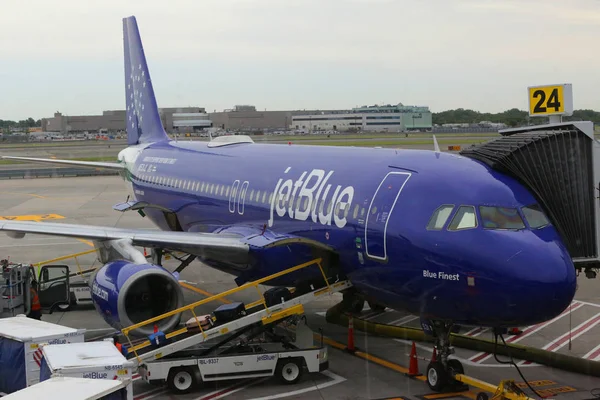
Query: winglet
143	120
436	147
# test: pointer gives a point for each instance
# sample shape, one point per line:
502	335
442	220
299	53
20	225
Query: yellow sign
37	218
550	100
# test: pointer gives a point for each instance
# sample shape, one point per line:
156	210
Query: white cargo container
90	360
20	355
66	388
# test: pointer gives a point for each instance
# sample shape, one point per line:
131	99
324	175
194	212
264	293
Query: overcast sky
67	55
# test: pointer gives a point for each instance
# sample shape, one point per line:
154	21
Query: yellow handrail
53	260
192	306
317	261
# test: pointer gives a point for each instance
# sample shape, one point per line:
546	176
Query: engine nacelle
125	293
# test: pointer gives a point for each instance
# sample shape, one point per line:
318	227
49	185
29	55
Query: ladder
257	313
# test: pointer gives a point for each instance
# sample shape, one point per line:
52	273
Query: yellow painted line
33	217
204	292
26	194
86	242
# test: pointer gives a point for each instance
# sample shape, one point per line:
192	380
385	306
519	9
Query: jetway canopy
560	164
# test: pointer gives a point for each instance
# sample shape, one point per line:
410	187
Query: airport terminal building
388	118
175	120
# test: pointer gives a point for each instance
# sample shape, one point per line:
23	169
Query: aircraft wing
214	244
89	164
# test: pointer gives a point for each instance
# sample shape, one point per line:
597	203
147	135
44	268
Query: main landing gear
440	372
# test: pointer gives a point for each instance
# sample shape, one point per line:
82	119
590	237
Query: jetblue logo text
97	291
95	375
265	357
311	197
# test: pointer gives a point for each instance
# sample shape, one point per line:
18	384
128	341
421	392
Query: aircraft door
54	286
379	212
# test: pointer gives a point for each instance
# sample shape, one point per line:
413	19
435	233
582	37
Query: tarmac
89	200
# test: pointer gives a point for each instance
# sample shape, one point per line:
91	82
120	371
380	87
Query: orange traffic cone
145	252
515	331
155	328
413	368
350	347
434	355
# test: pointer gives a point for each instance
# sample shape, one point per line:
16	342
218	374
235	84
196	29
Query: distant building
390	118
174	120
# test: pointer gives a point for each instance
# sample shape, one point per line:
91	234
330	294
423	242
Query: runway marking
335	380
34	217
442	395
562	340
404	320
593	354
481	357
377	314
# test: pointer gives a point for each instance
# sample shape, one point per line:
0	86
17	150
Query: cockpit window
535	216
464	218
439	217
500	218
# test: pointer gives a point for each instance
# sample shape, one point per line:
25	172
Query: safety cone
350	347
145	252
413	368
155	328
434	355
515	331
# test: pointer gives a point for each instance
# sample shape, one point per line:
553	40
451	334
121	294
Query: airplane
442	236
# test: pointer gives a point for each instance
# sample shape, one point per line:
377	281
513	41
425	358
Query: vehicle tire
482	396
455	367
182	379
376	307
289	370
437	377
67	307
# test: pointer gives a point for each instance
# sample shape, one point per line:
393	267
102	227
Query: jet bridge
560	164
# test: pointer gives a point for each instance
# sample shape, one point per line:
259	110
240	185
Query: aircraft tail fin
143	120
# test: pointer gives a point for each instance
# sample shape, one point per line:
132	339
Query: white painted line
377	314
593	354
562	340
160	392
588	304
335	380
321	313
481	357
462	360
472	331
480	332
148	392
404	320
219	393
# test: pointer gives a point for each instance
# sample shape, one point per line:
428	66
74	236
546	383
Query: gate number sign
550	100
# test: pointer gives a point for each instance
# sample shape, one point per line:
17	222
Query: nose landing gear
440	373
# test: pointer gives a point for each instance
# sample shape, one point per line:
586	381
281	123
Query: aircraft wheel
376	307
455	367
482	396
182	379
437	377
289	370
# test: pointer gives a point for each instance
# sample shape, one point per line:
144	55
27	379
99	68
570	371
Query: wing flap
88	164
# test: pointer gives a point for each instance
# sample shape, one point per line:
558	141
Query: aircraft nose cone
546	281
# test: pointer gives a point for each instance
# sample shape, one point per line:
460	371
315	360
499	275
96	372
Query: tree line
512	117
24	123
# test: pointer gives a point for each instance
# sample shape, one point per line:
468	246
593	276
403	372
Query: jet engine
125	293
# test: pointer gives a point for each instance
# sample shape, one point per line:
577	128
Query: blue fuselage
372	207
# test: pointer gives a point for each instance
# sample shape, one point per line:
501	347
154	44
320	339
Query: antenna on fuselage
436	147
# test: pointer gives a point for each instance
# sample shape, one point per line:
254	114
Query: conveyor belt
557	166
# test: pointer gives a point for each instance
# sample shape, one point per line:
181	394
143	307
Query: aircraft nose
545	281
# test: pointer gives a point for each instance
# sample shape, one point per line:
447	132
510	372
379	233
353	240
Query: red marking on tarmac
528	331
578	331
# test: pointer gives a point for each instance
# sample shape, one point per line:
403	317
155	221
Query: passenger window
500	218
440	216
227	191
264	196
534	216
464	219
